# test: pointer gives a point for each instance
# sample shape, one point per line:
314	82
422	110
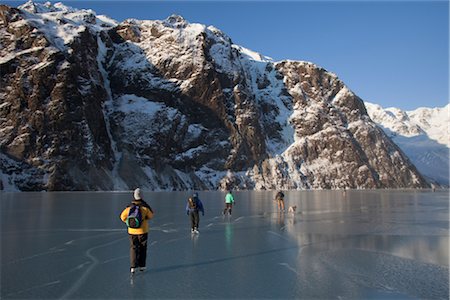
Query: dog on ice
292	209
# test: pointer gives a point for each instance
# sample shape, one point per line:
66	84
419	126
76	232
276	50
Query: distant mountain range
91	104
423	134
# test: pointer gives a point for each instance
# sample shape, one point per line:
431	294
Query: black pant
195	219
138	250
228	207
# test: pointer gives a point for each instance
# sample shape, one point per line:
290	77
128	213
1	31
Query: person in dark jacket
138	236
280	200
193	207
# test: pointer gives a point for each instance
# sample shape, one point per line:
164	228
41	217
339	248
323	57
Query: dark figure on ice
280	200
229	201
193	207
136	216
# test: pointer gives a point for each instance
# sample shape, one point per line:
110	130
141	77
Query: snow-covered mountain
91	104
423	134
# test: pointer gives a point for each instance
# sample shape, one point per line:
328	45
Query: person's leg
282	205
142	253
230	206
134	241
192	217
196	219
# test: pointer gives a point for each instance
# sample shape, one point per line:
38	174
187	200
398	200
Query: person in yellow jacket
139	234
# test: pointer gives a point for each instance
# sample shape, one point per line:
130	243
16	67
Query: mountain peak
176	21
422	134
39	8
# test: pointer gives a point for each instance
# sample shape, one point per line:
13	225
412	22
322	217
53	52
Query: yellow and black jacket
147	214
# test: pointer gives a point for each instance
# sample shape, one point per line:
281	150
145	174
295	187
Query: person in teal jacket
229	201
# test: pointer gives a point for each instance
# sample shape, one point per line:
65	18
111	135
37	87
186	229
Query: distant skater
280	200
193	206
229	201
136	216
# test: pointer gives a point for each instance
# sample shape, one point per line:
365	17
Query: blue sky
393	53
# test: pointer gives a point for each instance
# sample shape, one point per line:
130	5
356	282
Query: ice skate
132	274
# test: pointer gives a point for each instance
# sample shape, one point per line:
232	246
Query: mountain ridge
423	134
92	104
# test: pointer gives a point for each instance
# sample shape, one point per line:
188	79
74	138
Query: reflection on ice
358	244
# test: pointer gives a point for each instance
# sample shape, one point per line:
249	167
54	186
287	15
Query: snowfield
423	134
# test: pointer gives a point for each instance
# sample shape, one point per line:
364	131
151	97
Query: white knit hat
137	194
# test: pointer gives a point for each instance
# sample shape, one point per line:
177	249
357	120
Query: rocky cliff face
89	104
52	119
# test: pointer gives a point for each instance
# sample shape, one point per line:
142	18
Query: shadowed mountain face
89	104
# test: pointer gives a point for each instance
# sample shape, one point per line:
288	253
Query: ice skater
193	206
136	216
229	201
280	200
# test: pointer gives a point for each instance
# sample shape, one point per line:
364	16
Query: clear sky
393	53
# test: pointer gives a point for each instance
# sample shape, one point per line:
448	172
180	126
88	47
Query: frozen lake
361	244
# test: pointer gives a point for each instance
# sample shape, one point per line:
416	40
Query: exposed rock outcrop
173	105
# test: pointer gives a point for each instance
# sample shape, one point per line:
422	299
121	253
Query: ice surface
357	244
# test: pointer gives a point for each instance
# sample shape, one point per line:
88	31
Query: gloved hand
187	213
203	214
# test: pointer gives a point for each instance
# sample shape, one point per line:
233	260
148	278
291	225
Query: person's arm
187	208
201	207
124	214
145	204
148	213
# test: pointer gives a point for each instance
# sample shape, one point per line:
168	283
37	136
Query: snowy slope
62	24
92	104
423	134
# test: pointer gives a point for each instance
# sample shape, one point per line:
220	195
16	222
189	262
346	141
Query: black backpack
134	219
279	196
